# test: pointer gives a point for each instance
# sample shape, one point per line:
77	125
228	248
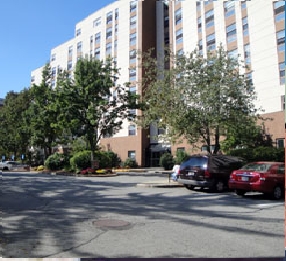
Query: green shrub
129	162
180	157
81	160
166	161
56	161
260	154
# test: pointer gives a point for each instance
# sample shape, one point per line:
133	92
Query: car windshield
261	167
195	161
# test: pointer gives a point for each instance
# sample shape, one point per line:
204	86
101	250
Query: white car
8	165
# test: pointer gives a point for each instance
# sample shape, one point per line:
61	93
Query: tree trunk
217	143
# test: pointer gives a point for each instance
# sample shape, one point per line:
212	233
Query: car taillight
231	176
262	176
207	173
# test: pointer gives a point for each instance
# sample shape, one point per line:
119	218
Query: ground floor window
280	143
131	154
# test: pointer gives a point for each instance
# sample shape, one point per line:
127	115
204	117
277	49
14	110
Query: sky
30	29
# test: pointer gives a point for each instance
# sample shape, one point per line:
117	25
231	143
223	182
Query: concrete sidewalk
160	184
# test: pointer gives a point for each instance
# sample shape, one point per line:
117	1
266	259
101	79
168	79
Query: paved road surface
58	216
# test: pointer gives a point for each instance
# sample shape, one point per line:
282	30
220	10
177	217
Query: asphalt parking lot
60	216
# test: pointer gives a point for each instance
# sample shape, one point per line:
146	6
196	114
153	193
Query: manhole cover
111	224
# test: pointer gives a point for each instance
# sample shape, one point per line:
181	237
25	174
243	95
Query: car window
281	169
261	167
196	161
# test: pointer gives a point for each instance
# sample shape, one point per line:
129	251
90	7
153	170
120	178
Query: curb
159	185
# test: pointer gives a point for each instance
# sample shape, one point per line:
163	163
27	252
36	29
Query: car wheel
240	192
190	187
277	192
218	186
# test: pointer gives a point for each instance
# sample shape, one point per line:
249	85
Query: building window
243	4
132	56
210	18
201	47
198	6
69	65
211	42
109	33
79	47
282	73
133	20
116	29
109	18
132	74
131	130
283	102
281	41
233	54
178	16
131	154
179	36
208	2
115	45
132	90
229	8
97	22
279	10
280	143
70	51
132	39
78	32
133	6
108	48
116	14
247	54
231	33
97	38
54	72
53	57
97	53
132	113
245	26
199	24
248	77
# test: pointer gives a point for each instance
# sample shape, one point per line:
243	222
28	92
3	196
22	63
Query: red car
263	176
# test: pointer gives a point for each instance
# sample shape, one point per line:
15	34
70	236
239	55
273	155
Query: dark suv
211	171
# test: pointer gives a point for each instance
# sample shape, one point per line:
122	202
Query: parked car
8	165
264	176
211	171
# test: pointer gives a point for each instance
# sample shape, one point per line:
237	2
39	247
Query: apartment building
255	30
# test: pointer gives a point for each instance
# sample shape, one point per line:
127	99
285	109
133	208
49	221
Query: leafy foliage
87	105
56	161
260	153
204	97
166	161
130	162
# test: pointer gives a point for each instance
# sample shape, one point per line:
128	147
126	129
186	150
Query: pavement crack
75	247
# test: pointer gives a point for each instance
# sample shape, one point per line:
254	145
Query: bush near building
260	154
81	160
166	161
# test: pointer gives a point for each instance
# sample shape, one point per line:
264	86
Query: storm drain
114	224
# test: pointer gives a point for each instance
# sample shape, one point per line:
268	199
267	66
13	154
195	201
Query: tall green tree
197	98
42	114
90	103
14	134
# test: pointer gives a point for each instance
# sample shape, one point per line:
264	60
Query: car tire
277	192
190	187
240	192
218	186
